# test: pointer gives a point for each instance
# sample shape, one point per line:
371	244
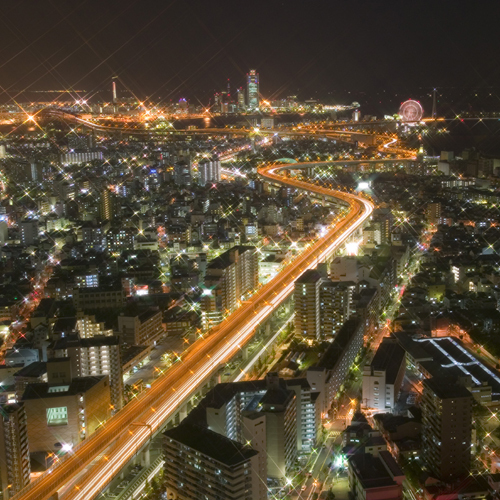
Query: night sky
189	48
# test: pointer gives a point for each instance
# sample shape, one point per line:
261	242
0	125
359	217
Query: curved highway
99	458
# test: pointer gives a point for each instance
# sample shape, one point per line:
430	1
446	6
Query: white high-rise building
208	171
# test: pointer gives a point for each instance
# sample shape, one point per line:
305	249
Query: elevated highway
85	472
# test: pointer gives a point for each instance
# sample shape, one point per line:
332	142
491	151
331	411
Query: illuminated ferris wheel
411	111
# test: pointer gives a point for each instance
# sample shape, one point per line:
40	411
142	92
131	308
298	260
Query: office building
253	99
307	305
65	410
143	329
446	429
15	466
97	355
200	463
383	377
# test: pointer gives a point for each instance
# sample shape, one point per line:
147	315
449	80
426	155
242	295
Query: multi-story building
182	173
80	157
66	410
119	239
433	213
228	279
383	377
29	232
88	327
208	171
15	466
289	409
329	374
98	298
307	305
200	463
107	209
143	329
446	428
87	280
375	475
94	237
253	99
335	306
93	356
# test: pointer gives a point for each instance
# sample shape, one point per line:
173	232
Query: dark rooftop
35	369
446	388
77	385
389	357
211	444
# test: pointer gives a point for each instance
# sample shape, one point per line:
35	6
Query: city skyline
249	250
358	46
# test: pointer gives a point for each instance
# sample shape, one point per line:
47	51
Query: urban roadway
85	471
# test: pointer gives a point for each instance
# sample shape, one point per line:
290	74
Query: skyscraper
253	90
14	450
106	205
446	429
241	99
307	305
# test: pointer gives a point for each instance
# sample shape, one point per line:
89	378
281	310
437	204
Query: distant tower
241	99
114	89
434	112
253	89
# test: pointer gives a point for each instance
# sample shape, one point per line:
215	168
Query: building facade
446	429
15	466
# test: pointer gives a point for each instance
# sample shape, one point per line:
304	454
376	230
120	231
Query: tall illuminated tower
113	84
253	90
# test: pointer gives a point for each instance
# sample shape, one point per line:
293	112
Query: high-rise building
228	279
141	329
208	171
93	356
433	213
382	378
253	90
106	205
14	449
241	99
335	308
307	305
65	410
182	173
200	463
29	232
446	428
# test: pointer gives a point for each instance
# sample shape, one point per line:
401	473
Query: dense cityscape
243	289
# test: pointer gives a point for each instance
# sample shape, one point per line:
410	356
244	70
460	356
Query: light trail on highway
98	459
